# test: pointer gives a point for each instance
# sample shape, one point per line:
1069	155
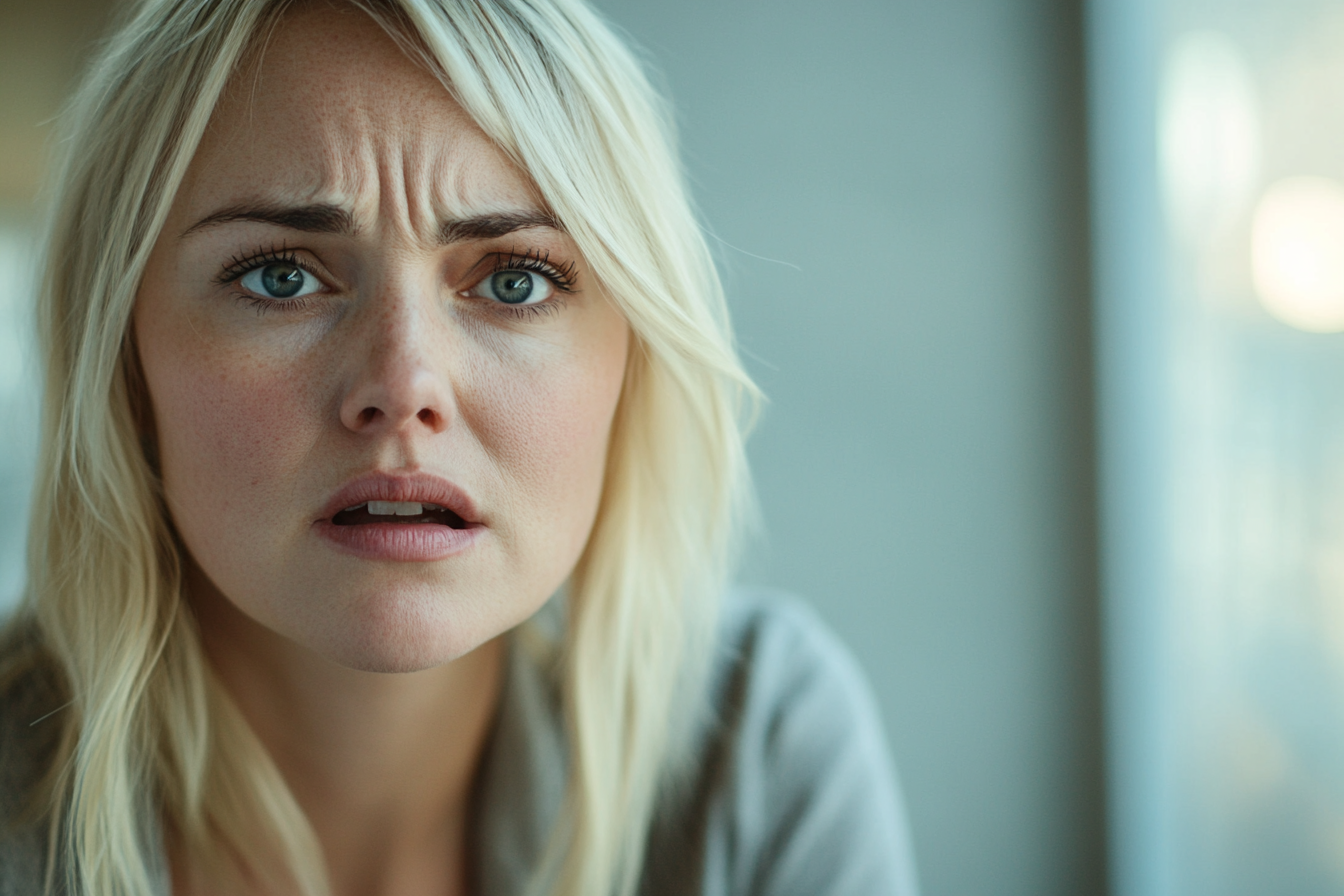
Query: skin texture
371	681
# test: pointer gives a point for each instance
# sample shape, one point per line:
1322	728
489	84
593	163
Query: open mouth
399	513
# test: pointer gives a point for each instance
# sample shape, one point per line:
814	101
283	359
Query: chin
409	630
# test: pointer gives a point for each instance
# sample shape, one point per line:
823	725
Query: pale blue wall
924	466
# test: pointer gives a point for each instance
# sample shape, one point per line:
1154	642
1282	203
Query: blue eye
514	288
280	280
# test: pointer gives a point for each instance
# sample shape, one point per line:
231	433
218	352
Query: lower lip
409	542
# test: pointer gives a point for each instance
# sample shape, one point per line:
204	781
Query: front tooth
395	508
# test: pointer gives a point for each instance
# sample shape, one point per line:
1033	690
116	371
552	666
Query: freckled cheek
232	435
548	431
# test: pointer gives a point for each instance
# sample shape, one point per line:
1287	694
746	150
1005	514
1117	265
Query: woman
392	469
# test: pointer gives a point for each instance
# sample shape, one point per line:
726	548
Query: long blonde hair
148	729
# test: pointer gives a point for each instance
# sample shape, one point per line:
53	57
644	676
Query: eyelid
536	261
240	265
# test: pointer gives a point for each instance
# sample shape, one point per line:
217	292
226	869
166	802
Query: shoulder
788	689
776	657
28	695
793	791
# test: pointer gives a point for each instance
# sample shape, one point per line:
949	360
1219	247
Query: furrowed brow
486	227
306	218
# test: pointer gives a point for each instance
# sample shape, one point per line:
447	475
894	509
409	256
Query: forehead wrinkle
392	163
340	120
327	171
412	185
402	119
465	193
345	172
383	139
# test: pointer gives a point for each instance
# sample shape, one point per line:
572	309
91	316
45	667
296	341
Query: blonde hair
148	728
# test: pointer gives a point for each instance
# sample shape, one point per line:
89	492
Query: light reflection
1297	253
1210	133
1250	104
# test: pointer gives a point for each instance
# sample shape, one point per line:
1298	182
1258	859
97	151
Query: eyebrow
490	226
334	219
307	218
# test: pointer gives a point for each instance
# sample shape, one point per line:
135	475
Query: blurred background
1046	296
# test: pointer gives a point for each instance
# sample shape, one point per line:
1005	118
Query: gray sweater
791	792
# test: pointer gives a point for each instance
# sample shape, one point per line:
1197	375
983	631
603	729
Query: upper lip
423	487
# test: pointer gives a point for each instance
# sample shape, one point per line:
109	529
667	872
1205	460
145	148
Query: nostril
427	416
368	415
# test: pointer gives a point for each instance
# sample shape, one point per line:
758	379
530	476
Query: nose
401	384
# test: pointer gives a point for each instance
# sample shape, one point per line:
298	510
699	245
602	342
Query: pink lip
414	542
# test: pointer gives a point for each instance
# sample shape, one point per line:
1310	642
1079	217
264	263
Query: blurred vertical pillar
1133	407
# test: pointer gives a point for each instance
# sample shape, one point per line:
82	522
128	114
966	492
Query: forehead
331	110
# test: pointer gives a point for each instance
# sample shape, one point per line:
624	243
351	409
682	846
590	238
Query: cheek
547	427
231	431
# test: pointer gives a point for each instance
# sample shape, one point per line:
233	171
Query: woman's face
382	378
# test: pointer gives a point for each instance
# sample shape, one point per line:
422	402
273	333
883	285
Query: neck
382	763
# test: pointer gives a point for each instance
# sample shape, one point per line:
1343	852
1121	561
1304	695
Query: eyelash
241	265
534	261
537	262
